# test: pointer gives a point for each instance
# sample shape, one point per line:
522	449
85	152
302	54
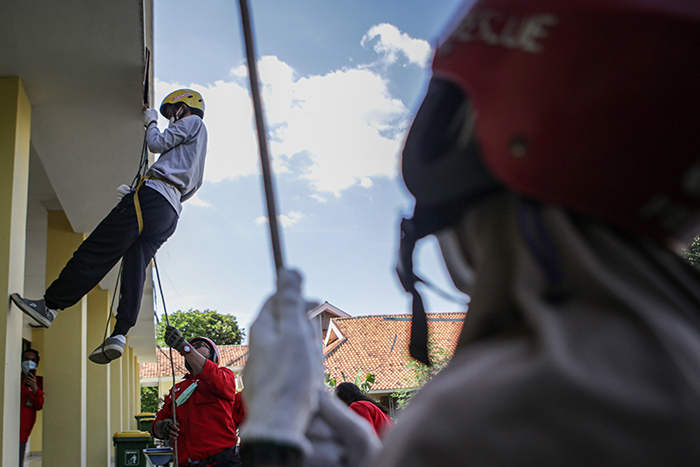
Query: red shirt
209	418
31	402
374	415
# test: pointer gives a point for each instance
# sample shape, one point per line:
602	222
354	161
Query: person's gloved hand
173	337
122	191
149	116
284	372
169	430
339	437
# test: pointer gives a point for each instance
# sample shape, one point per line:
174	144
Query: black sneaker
36	309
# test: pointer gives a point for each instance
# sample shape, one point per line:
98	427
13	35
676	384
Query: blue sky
341	82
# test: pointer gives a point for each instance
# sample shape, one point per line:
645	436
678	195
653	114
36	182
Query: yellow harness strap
137	204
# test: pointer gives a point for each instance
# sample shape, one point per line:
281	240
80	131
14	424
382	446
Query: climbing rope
136	183
262	136
172	361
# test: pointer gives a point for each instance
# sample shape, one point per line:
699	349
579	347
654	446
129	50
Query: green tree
149	399
222	329
692	253
364	386
419	374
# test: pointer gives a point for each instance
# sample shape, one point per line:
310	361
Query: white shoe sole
106	353
113	351
99	357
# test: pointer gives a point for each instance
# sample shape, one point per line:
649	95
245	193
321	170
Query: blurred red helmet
593	105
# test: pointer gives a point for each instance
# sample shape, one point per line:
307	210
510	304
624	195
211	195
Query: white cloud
319	198
197	201
345	122
286	220
336	130
392	43
292	218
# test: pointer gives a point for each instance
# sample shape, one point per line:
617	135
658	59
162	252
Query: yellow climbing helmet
191	98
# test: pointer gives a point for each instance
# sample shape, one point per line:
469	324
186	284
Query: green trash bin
128	448
143	422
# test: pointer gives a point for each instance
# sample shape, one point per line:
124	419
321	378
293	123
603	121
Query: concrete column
127	414
64	360
35	440
164	386
99	435
116	399
15	123
137	386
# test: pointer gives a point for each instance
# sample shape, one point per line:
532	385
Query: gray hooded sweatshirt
182	148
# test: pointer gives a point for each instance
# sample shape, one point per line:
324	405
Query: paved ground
32	461
35	461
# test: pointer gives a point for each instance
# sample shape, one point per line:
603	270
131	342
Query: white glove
284	372
150	115
122	191
339	437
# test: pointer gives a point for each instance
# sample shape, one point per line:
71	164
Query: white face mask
462	273
28	366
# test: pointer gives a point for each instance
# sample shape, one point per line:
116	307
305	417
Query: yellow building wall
99	435
65	360
15	124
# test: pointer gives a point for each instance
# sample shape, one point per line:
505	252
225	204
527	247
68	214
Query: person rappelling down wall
144	218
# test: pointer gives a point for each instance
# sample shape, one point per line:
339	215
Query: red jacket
209	418
374	415
31	403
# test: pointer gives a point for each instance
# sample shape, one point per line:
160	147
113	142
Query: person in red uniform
32	398
555	159
375	413
208	408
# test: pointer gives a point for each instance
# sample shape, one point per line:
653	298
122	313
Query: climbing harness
140	178
137	204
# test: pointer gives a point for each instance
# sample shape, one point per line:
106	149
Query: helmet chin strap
418	346
178	112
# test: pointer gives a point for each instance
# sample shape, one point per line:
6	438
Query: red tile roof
371	344
378	344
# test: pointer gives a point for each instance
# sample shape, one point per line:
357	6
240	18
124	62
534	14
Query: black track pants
115	237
